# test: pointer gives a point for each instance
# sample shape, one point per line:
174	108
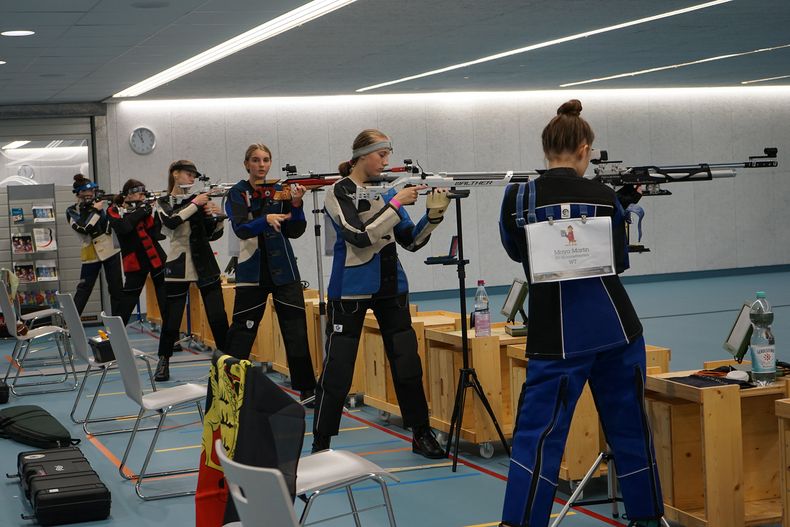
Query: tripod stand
611	480
467	377
319	266
140	321
189	339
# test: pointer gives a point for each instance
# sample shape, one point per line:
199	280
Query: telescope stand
319	267
611	480
467	376
141	322
190	340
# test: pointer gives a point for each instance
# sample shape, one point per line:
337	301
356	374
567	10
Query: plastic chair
260	494
330	470
80	346
161	402
28	318
20	355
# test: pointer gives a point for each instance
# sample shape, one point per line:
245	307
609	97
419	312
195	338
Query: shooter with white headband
366	274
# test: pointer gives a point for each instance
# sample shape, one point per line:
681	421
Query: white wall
707	225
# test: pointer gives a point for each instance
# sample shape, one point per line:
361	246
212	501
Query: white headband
371	148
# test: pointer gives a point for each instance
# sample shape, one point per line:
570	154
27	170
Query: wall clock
142	141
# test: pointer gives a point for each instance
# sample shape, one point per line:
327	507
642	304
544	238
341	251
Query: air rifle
651	177
213	189
412	174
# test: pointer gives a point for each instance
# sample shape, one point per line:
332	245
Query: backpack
32	425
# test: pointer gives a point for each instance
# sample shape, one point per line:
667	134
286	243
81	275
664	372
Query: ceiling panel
86	50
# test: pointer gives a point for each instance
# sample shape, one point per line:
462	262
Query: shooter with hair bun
581	330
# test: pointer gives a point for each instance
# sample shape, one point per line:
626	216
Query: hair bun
572	107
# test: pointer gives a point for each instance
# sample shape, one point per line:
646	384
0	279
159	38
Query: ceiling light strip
548	43
272	28
766	79
674	66
15	144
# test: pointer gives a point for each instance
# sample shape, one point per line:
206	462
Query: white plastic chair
79	342
260	494
28	318
20	355
161	402
330	470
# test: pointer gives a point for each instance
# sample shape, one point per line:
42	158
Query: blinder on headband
87	186
134	190
381	145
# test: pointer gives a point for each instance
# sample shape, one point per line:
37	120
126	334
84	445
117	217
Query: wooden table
377	386
717	450
782	408
488	355
585	437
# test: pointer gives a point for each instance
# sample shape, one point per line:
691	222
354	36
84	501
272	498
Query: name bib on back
570	249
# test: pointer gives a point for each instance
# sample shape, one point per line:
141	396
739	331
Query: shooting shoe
425	444
162	369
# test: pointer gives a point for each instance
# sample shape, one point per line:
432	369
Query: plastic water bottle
762	343
482	314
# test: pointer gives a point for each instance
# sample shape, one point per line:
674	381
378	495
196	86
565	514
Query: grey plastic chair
160	401
21	355
81	348
330	470
260	494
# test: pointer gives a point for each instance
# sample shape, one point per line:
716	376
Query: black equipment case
62	487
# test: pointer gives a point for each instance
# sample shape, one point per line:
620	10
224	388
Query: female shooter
581	330
131	218
266	216
99	247
366	274
191	221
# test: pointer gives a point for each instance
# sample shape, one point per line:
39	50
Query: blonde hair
256	146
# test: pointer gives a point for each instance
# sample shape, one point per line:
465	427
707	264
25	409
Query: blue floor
691	316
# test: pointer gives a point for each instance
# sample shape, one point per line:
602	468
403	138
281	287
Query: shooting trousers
616	378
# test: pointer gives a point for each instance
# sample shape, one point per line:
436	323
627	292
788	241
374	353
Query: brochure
21	243
25	272
17	216
45	239
46	270
43	213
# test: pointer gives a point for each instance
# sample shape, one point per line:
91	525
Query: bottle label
763	359
482	323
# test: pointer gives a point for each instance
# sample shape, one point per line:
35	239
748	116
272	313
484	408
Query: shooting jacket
93	229
247	208
365	256
138	234
572	317
191	258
